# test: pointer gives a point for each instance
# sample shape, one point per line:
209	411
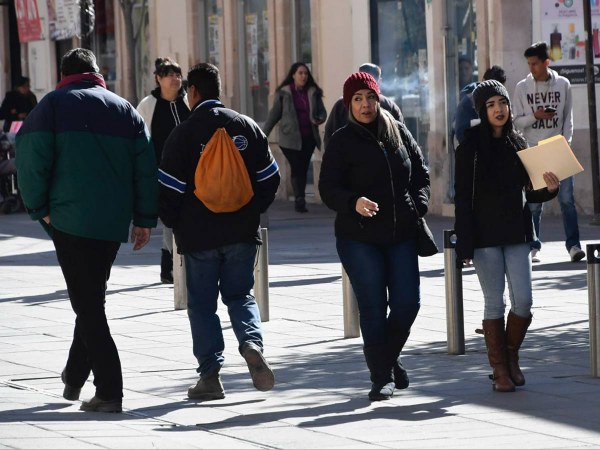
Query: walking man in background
543	107
86	167
219	249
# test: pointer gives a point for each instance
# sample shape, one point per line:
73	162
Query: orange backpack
221	178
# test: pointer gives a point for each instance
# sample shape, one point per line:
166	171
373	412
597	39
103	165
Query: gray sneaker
96	404
209	388
262	375
576	253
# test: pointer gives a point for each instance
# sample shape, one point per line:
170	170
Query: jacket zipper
387	160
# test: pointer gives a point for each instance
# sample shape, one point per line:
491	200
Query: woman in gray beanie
494	226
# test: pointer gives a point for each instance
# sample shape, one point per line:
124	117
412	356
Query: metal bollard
593	279
179	284
455	326
261	277
351	320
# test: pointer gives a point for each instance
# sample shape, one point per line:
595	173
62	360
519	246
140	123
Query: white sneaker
576	254
534	255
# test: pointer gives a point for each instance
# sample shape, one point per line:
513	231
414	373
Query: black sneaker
576	253
69	392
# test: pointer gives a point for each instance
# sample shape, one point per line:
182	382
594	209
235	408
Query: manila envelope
550	155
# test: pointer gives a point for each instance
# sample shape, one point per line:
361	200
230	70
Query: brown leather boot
516	328
493	331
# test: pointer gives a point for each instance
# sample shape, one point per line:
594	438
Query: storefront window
399	46
209	22
103	41
302	23
461	68
255	60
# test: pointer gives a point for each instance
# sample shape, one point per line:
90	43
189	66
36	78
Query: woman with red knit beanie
375	178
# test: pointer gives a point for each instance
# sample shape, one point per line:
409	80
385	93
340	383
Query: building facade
418	44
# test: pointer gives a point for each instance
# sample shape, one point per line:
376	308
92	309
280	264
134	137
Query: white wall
345	43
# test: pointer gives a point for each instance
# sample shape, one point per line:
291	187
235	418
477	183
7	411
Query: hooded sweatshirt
161	116
531	95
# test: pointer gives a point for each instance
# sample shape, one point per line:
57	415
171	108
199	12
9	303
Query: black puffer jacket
357	165
197	228
491	195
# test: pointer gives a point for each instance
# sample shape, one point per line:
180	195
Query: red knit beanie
356	82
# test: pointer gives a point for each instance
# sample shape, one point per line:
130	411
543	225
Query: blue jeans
569	215
229	270
493	265
383	276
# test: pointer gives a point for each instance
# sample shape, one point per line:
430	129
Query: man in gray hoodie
542	107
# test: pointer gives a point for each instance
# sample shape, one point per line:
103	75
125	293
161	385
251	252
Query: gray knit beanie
487	89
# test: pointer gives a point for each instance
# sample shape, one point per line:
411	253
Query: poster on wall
213	39
64	20
265	48
28	21
562	27
252	50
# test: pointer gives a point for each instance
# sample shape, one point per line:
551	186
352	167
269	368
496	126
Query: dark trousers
299	161
86	265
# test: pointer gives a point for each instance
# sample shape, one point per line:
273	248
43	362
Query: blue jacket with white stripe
195	227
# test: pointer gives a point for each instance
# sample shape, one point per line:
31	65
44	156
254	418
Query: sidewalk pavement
320	397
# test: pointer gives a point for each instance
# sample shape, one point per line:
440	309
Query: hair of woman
163	66
289	78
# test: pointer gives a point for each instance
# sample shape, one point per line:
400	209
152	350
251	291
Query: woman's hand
552	181
366	207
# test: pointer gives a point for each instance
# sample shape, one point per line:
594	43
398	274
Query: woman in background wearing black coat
374	177
494	226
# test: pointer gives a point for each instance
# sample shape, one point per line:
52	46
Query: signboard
562	28
213	40
64	19
28	21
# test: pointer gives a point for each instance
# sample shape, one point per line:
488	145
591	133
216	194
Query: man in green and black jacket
86	170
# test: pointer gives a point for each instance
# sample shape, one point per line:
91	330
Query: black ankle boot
166	267
300	205
400	376
396	341
380	366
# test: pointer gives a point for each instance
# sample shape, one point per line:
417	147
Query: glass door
254	61
399	46
461	68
